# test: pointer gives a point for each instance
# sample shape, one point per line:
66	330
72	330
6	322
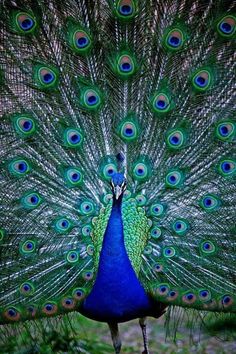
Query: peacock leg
115	337
142	322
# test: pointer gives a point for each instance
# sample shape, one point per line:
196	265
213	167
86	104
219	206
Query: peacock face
118	184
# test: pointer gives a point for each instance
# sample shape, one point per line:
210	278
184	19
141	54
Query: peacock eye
189	298
227	300
208	247
68	303
78	294
47	76
141	199
28	247
31	200
90	250
73	137
25	22
226	27
62	225
128	131
204	295
92	99
86	230
180	227
227	167
140	171
73	177
174	179
210	202
72	257
109	171
155	232
202	80
172	295
87	275
157	209
24	126
81	40
50	308
169	252
125	9
19	167
158	267
87	208
26	289
163	289
174	39
176	139
12	314
225	131
125	65
161	103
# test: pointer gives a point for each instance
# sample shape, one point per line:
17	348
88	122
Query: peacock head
118	184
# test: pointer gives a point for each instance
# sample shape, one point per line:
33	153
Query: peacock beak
118	191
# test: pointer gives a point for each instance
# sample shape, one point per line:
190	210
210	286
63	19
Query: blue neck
117	294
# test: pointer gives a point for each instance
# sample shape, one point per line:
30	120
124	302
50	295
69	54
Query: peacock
118	159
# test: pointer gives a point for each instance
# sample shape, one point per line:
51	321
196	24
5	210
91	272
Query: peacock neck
117	294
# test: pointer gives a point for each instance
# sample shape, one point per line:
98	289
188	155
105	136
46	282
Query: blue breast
117	294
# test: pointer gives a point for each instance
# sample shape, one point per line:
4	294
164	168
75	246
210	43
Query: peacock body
118	158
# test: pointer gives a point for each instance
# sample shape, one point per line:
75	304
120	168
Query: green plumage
82	82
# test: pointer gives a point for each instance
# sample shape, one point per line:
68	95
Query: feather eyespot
204	295
128	131
226	26
68	303
62	225
87	208
87	275
27	289
161	103
78	294
225	131
72	257
90	99
19	167
141	169
210	202
73	177
90	250
45	77
73	138
157	209
86	230
169	252
227	167
156	232
25	23
202	80
31	200
24	125
189	298
227	300
125	65
208	247
174	179
28	247
50	308
141	199
180	226
158	268
12	314
125	9
109	171
162	289
172	295
176	139
174	39
81	40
